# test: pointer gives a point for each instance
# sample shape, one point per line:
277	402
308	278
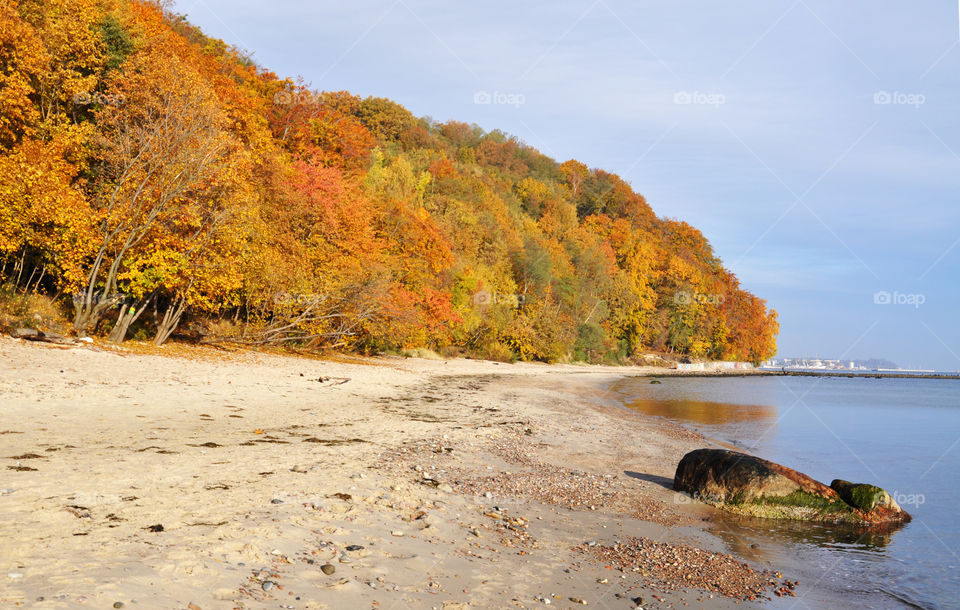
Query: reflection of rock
753	486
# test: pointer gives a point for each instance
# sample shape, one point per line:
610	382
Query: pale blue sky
812	192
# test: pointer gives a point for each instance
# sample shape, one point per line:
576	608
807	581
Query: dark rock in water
727	476
753	486
655	381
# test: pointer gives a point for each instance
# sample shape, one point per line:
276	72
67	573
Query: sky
815	143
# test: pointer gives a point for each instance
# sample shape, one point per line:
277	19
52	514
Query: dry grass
19	310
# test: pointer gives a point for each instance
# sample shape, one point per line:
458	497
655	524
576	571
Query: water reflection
705	412
742	533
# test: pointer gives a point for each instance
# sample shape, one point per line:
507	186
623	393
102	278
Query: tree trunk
128	315
171	319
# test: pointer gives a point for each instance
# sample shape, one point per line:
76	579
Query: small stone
577	600
118	604
267	585
397	533
14	575
328	569
344	558
445	488
276	501
602	581
355	547
193	606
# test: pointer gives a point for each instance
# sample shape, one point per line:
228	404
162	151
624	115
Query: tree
160	144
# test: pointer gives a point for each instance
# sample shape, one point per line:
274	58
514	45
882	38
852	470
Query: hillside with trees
155	182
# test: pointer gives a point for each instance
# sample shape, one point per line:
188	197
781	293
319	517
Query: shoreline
467	483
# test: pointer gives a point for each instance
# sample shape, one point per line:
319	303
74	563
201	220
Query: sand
467	484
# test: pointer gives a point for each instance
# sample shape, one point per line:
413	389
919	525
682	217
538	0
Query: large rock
750	485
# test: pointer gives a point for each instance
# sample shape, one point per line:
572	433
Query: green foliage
118	42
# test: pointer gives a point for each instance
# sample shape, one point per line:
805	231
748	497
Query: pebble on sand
328	569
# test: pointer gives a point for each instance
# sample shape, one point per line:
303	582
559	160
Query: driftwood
30	334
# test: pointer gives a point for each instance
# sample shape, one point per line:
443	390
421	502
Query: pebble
355	547
328	569
396	533
267	585
445	488
276	501
14	575
118	604
344	558
7	491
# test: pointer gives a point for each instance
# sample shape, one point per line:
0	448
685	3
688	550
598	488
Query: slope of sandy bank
467	484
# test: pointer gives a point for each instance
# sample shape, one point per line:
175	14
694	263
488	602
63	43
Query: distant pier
851	374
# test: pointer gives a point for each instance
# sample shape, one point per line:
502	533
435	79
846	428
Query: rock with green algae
749	485
870	499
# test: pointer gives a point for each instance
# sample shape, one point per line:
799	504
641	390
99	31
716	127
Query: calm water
901	434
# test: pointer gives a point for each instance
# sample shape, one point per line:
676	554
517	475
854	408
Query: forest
157	184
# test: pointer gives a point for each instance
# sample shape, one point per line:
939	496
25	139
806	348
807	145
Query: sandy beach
208	479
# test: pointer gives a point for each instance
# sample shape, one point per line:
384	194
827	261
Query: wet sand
238	480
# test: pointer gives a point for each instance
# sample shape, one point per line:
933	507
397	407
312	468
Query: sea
900	434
